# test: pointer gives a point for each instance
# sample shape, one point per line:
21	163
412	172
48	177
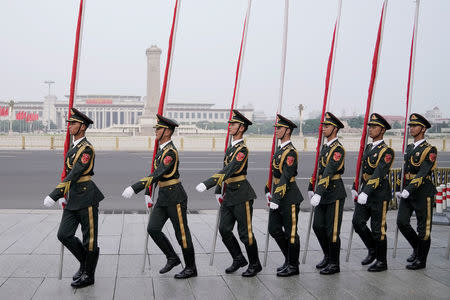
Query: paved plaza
29	255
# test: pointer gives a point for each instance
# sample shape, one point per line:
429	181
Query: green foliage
356	122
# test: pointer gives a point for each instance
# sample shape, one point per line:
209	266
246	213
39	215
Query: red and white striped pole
439	199
444	196
327	93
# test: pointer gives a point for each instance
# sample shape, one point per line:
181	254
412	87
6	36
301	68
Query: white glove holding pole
398	195
315	200
362	198
128	192
49	202
273	205
310	194
219	199
201	187
354	194
62	202
148	201
405	194
268	198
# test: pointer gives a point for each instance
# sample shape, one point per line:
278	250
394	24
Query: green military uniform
419	163
237	205
83	197
171	203
283	221
328	214
376	163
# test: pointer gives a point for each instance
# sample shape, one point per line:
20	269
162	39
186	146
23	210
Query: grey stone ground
29	264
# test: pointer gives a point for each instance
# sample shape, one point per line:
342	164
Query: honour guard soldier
237	202
329	196
171	203
418	192
81	197
375	194
286	199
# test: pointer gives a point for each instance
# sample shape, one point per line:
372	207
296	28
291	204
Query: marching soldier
237	202
375	194
172	201
285	203
418	192
83	198
329	196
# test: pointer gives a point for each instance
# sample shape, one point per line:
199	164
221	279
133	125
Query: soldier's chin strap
79	128
284	133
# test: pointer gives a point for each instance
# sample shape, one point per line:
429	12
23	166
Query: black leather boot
422	253
413	256
370	257
88	276
239	260
381	262
283	244
292	267
190	270
255	266
166	247
330	269
323	263
80	271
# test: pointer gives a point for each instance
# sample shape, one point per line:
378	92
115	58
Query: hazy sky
37	39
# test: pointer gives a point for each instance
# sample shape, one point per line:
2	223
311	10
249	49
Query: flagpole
161	106
409	92
280	101
233	105
320	139
370	96
73	88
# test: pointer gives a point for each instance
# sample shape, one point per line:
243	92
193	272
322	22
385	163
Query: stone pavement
29	255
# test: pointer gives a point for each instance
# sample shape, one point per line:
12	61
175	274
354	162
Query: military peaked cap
376	119
78	116
416	119
239	118
163	122
284	122
332	120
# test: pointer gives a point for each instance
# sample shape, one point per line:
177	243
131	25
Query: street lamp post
49	82
11	106
300	110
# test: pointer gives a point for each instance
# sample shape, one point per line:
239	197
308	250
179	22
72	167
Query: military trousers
177	215
88	218
376	212
327	227
283	228
241	214
424	213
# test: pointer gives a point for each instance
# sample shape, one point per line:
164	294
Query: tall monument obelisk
148	119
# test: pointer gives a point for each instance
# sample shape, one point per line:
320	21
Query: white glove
128	192
62	202
268	198
315	200
49	202
310	194
362	198
405	194
201	187
148	201
398	195
273	205
354	194
219	199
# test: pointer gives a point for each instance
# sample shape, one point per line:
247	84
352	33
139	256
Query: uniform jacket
284	170
419	164
376	164
237	188
331	167
78	188
166	174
